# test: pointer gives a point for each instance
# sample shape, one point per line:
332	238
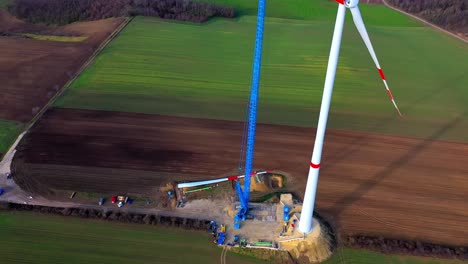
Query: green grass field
320	10
9	130
35	238
347	255
4	4
194	70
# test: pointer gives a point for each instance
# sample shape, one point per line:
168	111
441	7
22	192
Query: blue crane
249	143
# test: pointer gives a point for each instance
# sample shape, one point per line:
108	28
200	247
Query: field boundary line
425	22
85	65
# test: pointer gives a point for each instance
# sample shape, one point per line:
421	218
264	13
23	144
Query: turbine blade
357	18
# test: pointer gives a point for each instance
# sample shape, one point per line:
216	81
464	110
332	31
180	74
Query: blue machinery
244	195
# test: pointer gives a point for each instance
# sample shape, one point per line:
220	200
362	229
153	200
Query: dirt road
373	184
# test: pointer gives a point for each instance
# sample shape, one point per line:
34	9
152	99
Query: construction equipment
263	244
121	199
180	204
213	227
250	127
221	234
243	242
221	238
286	213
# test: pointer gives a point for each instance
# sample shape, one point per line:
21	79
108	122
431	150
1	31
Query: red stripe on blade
390	94
340	1
381	74
315	166
231	178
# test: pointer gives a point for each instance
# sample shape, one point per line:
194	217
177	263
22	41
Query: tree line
406	247
449	14
110	215
60	12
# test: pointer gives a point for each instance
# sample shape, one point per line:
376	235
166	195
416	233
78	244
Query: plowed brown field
373	184
32	71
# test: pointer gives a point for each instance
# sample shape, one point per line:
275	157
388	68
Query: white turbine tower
305	224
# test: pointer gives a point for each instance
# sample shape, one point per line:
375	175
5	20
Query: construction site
256	183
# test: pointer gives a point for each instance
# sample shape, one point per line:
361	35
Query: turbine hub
351	3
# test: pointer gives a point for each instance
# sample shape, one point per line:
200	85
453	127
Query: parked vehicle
101	201
120	204
113	199
221	238
1	191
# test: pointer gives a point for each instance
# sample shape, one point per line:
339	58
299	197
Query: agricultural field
80	150
35	238
165	101
33	67
347	255
316	10
132	75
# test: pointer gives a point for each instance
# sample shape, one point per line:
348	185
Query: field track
372	184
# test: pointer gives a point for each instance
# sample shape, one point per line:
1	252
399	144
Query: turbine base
312	247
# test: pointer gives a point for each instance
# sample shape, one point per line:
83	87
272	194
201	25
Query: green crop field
9	130
347	255
35	238
321	10
204	70
4	4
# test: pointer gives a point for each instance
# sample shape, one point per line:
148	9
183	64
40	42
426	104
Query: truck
122	199
221	235
221	238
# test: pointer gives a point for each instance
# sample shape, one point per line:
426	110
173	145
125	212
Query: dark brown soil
369	184
32	71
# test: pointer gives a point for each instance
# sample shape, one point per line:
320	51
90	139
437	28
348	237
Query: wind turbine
305	224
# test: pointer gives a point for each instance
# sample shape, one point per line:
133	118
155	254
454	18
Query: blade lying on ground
363	32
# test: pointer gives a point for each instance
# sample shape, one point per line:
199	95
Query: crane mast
244	195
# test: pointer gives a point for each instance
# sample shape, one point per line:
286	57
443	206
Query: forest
449	14
59	12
